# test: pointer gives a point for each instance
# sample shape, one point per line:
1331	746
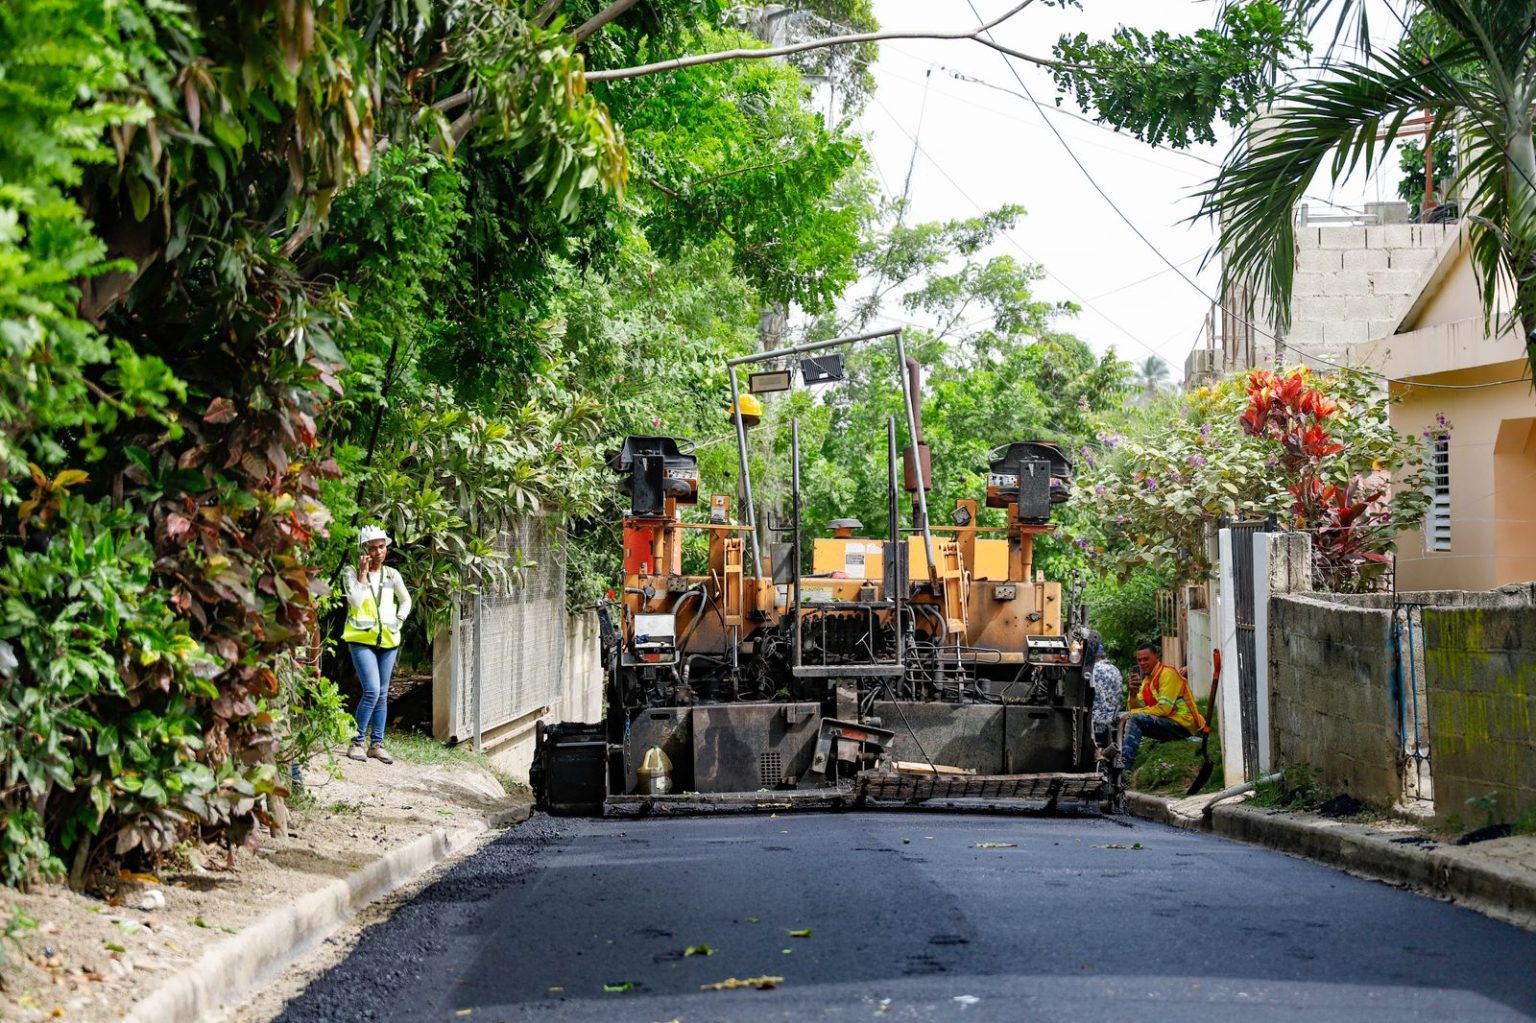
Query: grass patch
1168	767
415	748
1297	788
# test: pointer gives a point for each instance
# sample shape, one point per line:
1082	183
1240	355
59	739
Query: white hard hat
368	534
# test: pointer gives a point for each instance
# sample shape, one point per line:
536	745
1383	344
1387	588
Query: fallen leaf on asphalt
698	950
753	920
997	845
731	983
787	951
465	1012
1119	845
556	989
800	934
625	985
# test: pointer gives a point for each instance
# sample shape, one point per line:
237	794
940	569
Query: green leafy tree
1172	89
195	309
997	366
1410	183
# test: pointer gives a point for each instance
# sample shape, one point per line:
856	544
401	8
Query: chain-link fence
508	650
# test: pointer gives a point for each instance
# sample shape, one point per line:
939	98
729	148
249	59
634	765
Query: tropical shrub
1351	522
1156	488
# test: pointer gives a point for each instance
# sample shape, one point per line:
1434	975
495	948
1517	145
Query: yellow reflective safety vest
377	607
1166	694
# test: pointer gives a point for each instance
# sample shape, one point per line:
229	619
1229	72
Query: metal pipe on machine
794	491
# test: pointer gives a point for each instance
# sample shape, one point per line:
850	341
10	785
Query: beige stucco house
1467	395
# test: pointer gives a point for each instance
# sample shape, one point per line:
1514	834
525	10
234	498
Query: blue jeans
374	666
1141	726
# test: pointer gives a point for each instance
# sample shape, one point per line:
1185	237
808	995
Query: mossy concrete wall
1332	705
1480	668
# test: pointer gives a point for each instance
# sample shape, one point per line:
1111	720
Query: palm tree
1469	65
1151	376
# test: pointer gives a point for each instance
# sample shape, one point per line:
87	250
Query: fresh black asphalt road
914	916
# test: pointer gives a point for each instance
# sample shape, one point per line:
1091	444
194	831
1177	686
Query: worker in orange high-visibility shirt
1168	710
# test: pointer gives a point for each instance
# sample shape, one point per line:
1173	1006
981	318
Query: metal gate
1243	583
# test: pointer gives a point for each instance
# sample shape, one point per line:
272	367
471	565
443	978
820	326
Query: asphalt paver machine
933	665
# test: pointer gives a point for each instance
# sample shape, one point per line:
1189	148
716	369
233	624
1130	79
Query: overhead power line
1008	236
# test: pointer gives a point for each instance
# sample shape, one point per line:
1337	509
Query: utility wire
1014	241
1189	280
1062	112
873	306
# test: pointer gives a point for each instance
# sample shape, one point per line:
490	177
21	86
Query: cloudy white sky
979	148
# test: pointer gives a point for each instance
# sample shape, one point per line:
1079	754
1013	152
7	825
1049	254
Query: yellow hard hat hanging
750	408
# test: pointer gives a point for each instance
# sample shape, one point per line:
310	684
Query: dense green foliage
1155	487
1411	180
1167	88
1124	611
274	268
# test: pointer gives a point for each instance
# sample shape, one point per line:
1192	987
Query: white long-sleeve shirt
394	600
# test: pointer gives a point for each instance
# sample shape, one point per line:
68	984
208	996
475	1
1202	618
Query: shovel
1204	774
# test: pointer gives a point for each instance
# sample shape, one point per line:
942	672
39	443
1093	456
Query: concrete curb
1498	890
229	969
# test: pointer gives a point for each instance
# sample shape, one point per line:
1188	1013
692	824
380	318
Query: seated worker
1169	710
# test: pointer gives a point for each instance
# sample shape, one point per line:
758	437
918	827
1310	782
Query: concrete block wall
1331	701
1480	663
1353	284
1333	705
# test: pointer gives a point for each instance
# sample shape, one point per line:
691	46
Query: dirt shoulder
92	957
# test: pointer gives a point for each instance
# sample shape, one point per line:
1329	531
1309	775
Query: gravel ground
93	956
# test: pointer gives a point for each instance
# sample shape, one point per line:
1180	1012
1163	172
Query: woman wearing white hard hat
377	604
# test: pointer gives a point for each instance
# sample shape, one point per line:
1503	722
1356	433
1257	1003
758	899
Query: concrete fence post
1282	563
1224	629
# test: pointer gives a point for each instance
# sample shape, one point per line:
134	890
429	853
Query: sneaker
355	752
378	753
